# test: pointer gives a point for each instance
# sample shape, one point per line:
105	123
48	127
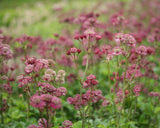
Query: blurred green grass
15	10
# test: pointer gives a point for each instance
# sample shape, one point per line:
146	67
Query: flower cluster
23	80
90	82
5	51
45	100
89	96
42	123
137	90
47	88
66	124
127	39
154	94
73	51
35	65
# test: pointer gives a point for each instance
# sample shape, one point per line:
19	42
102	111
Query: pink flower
129	40
61	91
90	77
40	63
73	50
42	122
56	103
85	85
47	88
90	81
52	101
29	68
5	51
119	37
117	51
137	90
7	88
117	19
23	80
30	61
98	37
36	101
47	77
105	103
67	123
89	32
150	50
70	100
109	57
141	50
150	38
47	98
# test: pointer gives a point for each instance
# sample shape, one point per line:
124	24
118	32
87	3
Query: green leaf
77	124
157	109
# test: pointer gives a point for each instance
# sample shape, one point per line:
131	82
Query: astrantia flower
129	40
119	37
70	100
109	57
56	103
73	50
7	88
61	91
23	80
36	101
106	49
91	81
89	32
62	73
150	50
42	122
47	77
98	37
47	88
105	103
117	51
30	61
5	51
50	72
47	98
67	123
141	50
151	38
137	89
90	77
51	63
29	68
40	63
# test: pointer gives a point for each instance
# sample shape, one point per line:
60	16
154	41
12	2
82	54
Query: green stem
28	108
86	67
109	77
2	120
47	116
83	119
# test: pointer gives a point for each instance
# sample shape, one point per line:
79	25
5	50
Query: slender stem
53	118
28	107
2	120
86	67
47	116
109	77
83	118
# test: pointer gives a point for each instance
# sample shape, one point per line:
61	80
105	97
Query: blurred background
41	17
